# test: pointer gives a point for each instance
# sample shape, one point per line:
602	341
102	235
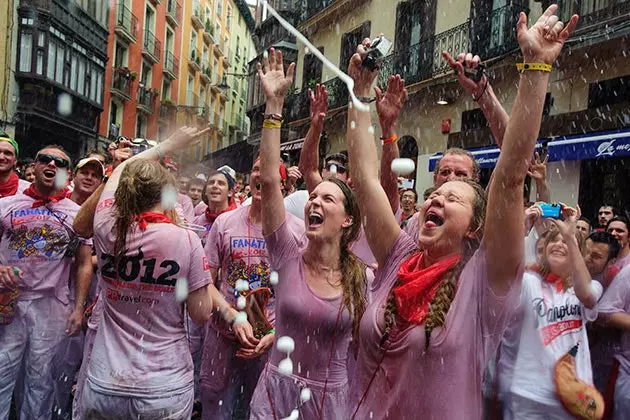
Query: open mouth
315	219
49	174
433	220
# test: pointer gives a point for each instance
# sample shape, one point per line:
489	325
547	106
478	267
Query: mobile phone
551	211
138	149
475	74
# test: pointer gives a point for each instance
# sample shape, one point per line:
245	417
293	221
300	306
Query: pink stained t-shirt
238	249
412	227
446	381
616	300
35	240
200	208
141	347
186	205
317	325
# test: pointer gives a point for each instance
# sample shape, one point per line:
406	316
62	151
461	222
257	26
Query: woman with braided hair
320	293
438	315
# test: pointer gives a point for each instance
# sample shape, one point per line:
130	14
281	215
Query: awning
292	145
580	147
239	156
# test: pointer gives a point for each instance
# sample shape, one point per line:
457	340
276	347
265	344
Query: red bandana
551	278
143	219
417	287
213	216
42	200
11	186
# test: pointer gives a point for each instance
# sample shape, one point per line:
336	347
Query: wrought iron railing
126	20
121	83
151	44
171	63
592	11
147	98
174	11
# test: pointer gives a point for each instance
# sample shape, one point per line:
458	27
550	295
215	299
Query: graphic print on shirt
556	320
256	274
40	241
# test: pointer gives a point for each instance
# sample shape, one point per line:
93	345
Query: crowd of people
132	289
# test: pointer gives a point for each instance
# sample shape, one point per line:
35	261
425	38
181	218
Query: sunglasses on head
340	168
46	159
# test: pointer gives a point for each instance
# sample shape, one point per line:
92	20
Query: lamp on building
443	101
223	85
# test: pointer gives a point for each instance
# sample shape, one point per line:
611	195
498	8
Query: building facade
60	62
587	103
144	49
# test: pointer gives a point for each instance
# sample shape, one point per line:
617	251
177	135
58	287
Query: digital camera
551	211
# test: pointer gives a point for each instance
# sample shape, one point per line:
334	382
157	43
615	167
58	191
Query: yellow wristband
522	67
272	124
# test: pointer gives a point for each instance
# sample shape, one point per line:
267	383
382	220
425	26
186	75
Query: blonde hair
139	190
445	294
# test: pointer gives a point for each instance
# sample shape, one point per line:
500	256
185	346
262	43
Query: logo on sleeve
206	266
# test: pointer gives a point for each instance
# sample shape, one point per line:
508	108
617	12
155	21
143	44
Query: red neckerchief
143	219
552	279
213	216
417	287
41	200
11	186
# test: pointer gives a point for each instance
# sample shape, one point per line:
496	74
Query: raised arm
481	92
388	108
379	222
538	172
503	234
309	158
275	85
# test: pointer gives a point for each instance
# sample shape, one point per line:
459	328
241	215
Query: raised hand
319	104
362	76
274	82
538	169
389	106
184	137
543	42
567	225
467	61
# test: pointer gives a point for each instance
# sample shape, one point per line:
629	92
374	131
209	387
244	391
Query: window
190	91
146	73
26	50
350	40
149	19
166	89
219	9
120	56
228	19
193	44
312	72
609	92
204	59
141	126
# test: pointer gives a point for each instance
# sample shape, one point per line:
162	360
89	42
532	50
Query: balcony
218	47
173	13
317	13
126	24
497	35
237	123
121	83
208	33
194	61
171	65
146	100
206	75
151	47
227	57
40	4
192	101
168	112
594	12
197	17
156	2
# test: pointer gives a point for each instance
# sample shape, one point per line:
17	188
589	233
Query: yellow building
8	87
588	93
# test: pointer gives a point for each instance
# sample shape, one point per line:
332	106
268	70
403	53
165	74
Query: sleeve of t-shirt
104	215
616	296
596	290
214	244
282	246
199	270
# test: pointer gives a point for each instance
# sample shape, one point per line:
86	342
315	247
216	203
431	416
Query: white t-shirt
530	247
553	322
294	203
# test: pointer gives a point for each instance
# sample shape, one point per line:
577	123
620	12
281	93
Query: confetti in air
285	344
61	179
273	278
64	104
353	125
240	318
305	395
403	166
181	289
169	197
241	302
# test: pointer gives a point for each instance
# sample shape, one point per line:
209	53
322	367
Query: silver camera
378	50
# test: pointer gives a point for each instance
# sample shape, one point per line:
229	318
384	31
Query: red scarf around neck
552	279
41	199
143	219
211	216
417	287
10	187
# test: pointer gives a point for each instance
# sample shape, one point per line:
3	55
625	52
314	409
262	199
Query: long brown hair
441	303
352	268
139	190
543	267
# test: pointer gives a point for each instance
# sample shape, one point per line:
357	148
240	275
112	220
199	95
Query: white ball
181	289
285	366
241	302
240	318
241	286
285	344
305	395
64	104
273	278
403	166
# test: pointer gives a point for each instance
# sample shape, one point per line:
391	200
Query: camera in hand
551	211
475	74
379	48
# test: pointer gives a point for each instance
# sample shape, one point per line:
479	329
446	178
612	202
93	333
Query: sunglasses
46	159
340	168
